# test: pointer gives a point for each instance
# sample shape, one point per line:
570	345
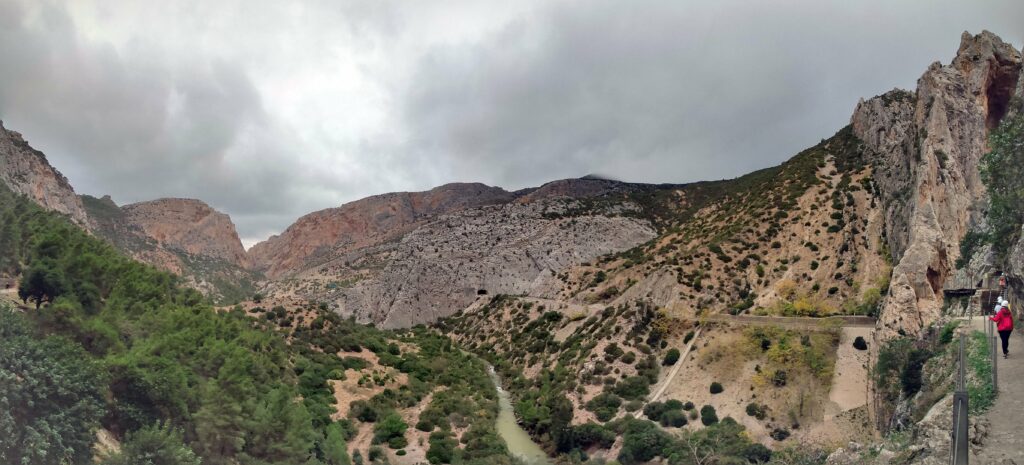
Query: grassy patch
980	391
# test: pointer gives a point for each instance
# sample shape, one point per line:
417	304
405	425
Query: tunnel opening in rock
934	280
1002	81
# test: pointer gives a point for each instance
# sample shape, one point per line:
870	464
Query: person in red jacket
1004	324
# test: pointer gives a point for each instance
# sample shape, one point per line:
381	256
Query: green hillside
106	342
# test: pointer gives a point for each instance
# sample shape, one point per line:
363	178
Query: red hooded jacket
1003	319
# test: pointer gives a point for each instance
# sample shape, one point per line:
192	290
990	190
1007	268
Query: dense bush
708	416
779	434
757	410
671	357
860	344
1002	171
633	387
592	434
716	388
51	398
604	405
154	445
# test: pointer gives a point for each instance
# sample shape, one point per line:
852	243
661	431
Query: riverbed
516	438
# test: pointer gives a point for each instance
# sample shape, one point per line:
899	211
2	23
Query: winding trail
675	368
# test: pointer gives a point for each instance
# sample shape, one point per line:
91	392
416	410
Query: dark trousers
1005	336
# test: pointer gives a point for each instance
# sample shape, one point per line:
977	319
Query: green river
519	442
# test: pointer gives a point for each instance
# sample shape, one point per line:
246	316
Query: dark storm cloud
139	125
671	91
268	110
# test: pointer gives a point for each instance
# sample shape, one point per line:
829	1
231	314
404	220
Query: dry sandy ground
829	418
348	390
846	412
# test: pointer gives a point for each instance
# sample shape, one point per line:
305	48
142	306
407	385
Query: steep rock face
185	237
25	171
363	223
189	225
446	263
930	145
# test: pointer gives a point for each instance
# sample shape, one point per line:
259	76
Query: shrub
860	344
633	387
757	411
708	416
654	410
158	444
642	441
779	434
604	405
758	453
592	434
716	387
779	378
673	418
391	430
946	336
671	357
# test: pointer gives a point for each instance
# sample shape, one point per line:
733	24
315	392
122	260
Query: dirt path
1005	435
849	381
675	368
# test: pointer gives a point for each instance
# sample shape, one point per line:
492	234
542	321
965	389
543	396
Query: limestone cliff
363	223
189	225
26	171
928	145
184	236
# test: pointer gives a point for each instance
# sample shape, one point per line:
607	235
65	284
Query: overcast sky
270	109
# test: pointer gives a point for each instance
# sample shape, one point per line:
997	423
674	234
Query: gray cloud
272	110
670	91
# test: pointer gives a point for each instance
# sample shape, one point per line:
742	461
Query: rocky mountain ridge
914	176
184	236
366	222
929	144
27	172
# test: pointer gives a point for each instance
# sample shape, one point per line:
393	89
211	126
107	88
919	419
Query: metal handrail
959	444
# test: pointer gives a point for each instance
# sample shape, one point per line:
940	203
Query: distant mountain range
900	185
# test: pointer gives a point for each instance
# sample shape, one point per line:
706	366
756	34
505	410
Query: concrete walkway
1005	442
791	322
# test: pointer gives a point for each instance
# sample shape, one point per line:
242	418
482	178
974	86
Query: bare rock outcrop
447	262
183	236
363	223
189	225
26	171
929	144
